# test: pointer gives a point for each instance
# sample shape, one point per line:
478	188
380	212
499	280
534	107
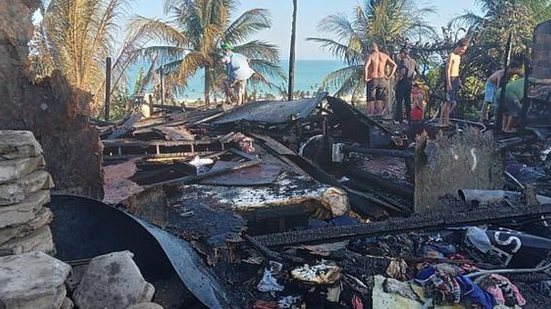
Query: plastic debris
268	282
322	274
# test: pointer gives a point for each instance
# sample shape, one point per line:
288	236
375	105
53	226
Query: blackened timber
381	152
434	220
402	190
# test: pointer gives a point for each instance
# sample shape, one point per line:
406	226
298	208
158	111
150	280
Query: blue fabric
476	293
489	92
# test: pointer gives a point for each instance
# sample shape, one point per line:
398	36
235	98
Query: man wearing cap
237	70
407	69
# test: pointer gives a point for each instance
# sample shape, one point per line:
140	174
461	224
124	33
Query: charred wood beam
435	220
388	203
381	152
402	190
272	255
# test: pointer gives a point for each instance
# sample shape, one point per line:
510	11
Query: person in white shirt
238	72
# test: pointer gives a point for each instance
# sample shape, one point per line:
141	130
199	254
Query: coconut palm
189	40
75	37
385	22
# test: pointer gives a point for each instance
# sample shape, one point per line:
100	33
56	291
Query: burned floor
311	204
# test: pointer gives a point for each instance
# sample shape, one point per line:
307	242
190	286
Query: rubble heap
24	190
37	280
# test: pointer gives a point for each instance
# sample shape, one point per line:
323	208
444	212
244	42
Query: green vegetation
190	40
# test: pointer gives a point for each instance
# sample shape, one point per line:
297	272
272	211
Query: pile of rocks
39	281
24	190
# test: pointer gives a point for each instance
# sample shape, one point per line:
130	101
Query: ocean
308	77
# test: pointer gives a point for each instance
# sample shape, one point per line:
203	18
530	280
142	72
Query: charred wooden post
445	165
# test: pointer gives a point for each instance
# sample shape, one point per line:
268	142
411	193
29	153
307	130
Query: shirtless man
376	79
453	83
493	83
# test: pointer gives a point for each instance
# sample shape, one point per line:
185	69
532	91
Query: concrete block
40	240
32	280
18	144
13	170
15	192
111	281
25	211
43	217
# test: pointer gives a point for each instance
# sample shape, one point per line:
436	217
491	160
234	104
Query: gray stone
39	240
75	277
146	306
15	192
111	281
148	293
32	280
25	211
18	144
43	217
11	193
67	304
13	170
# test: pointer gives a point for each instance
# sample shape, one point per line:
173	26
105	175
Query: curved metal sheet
84	228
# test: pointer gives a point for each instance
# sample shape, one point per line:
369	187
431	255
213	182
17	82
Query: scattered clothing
504	292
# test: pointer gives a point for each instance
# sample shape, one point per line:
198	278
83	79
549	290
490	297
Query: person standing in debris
512	104
376	79
238	72
493	83
407	69
453	82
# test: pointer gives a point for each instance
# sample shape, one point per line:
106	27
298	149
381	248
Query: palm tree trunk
207	85
292	53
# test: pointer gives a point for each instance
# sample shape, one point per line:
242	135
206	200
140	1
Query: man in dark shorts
453	83
376	79
407	69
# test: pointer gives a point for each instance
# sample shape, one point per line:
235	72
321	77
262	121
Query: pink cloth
498	293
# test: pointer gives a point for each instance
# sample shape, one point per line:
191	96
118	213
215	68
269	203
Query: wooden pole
161	78
292	53
107	87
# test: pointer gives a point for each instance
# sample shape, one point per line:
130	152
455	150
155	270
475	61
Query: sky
309	14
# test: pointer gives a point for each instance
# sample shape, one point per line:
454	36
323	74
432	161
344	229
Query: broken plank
434	220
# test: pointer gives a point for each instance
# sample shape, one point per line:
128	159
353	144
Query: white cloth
238	66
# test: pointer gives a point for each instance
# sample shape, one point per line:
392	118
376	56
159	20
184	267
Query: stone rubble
24	190
32	280
112	281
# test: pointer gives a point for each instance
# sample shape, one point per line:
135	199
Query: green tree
75	37
488	34
388	23
189	40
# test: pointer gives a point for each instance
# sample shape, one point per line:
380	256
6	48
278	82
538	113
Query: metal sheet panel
271	112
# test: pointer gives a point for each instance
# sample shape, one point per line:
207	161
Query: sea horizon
309	74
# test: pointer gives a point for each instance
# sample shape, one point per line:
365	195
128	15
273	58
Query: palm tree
189	40
75	37
385	22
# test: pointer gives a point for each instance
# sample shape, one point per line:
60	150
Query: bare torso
496	77
454	62
377	66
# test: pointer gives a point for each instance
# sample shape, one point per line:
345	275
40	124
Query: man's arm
393	65
448	72
366	68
